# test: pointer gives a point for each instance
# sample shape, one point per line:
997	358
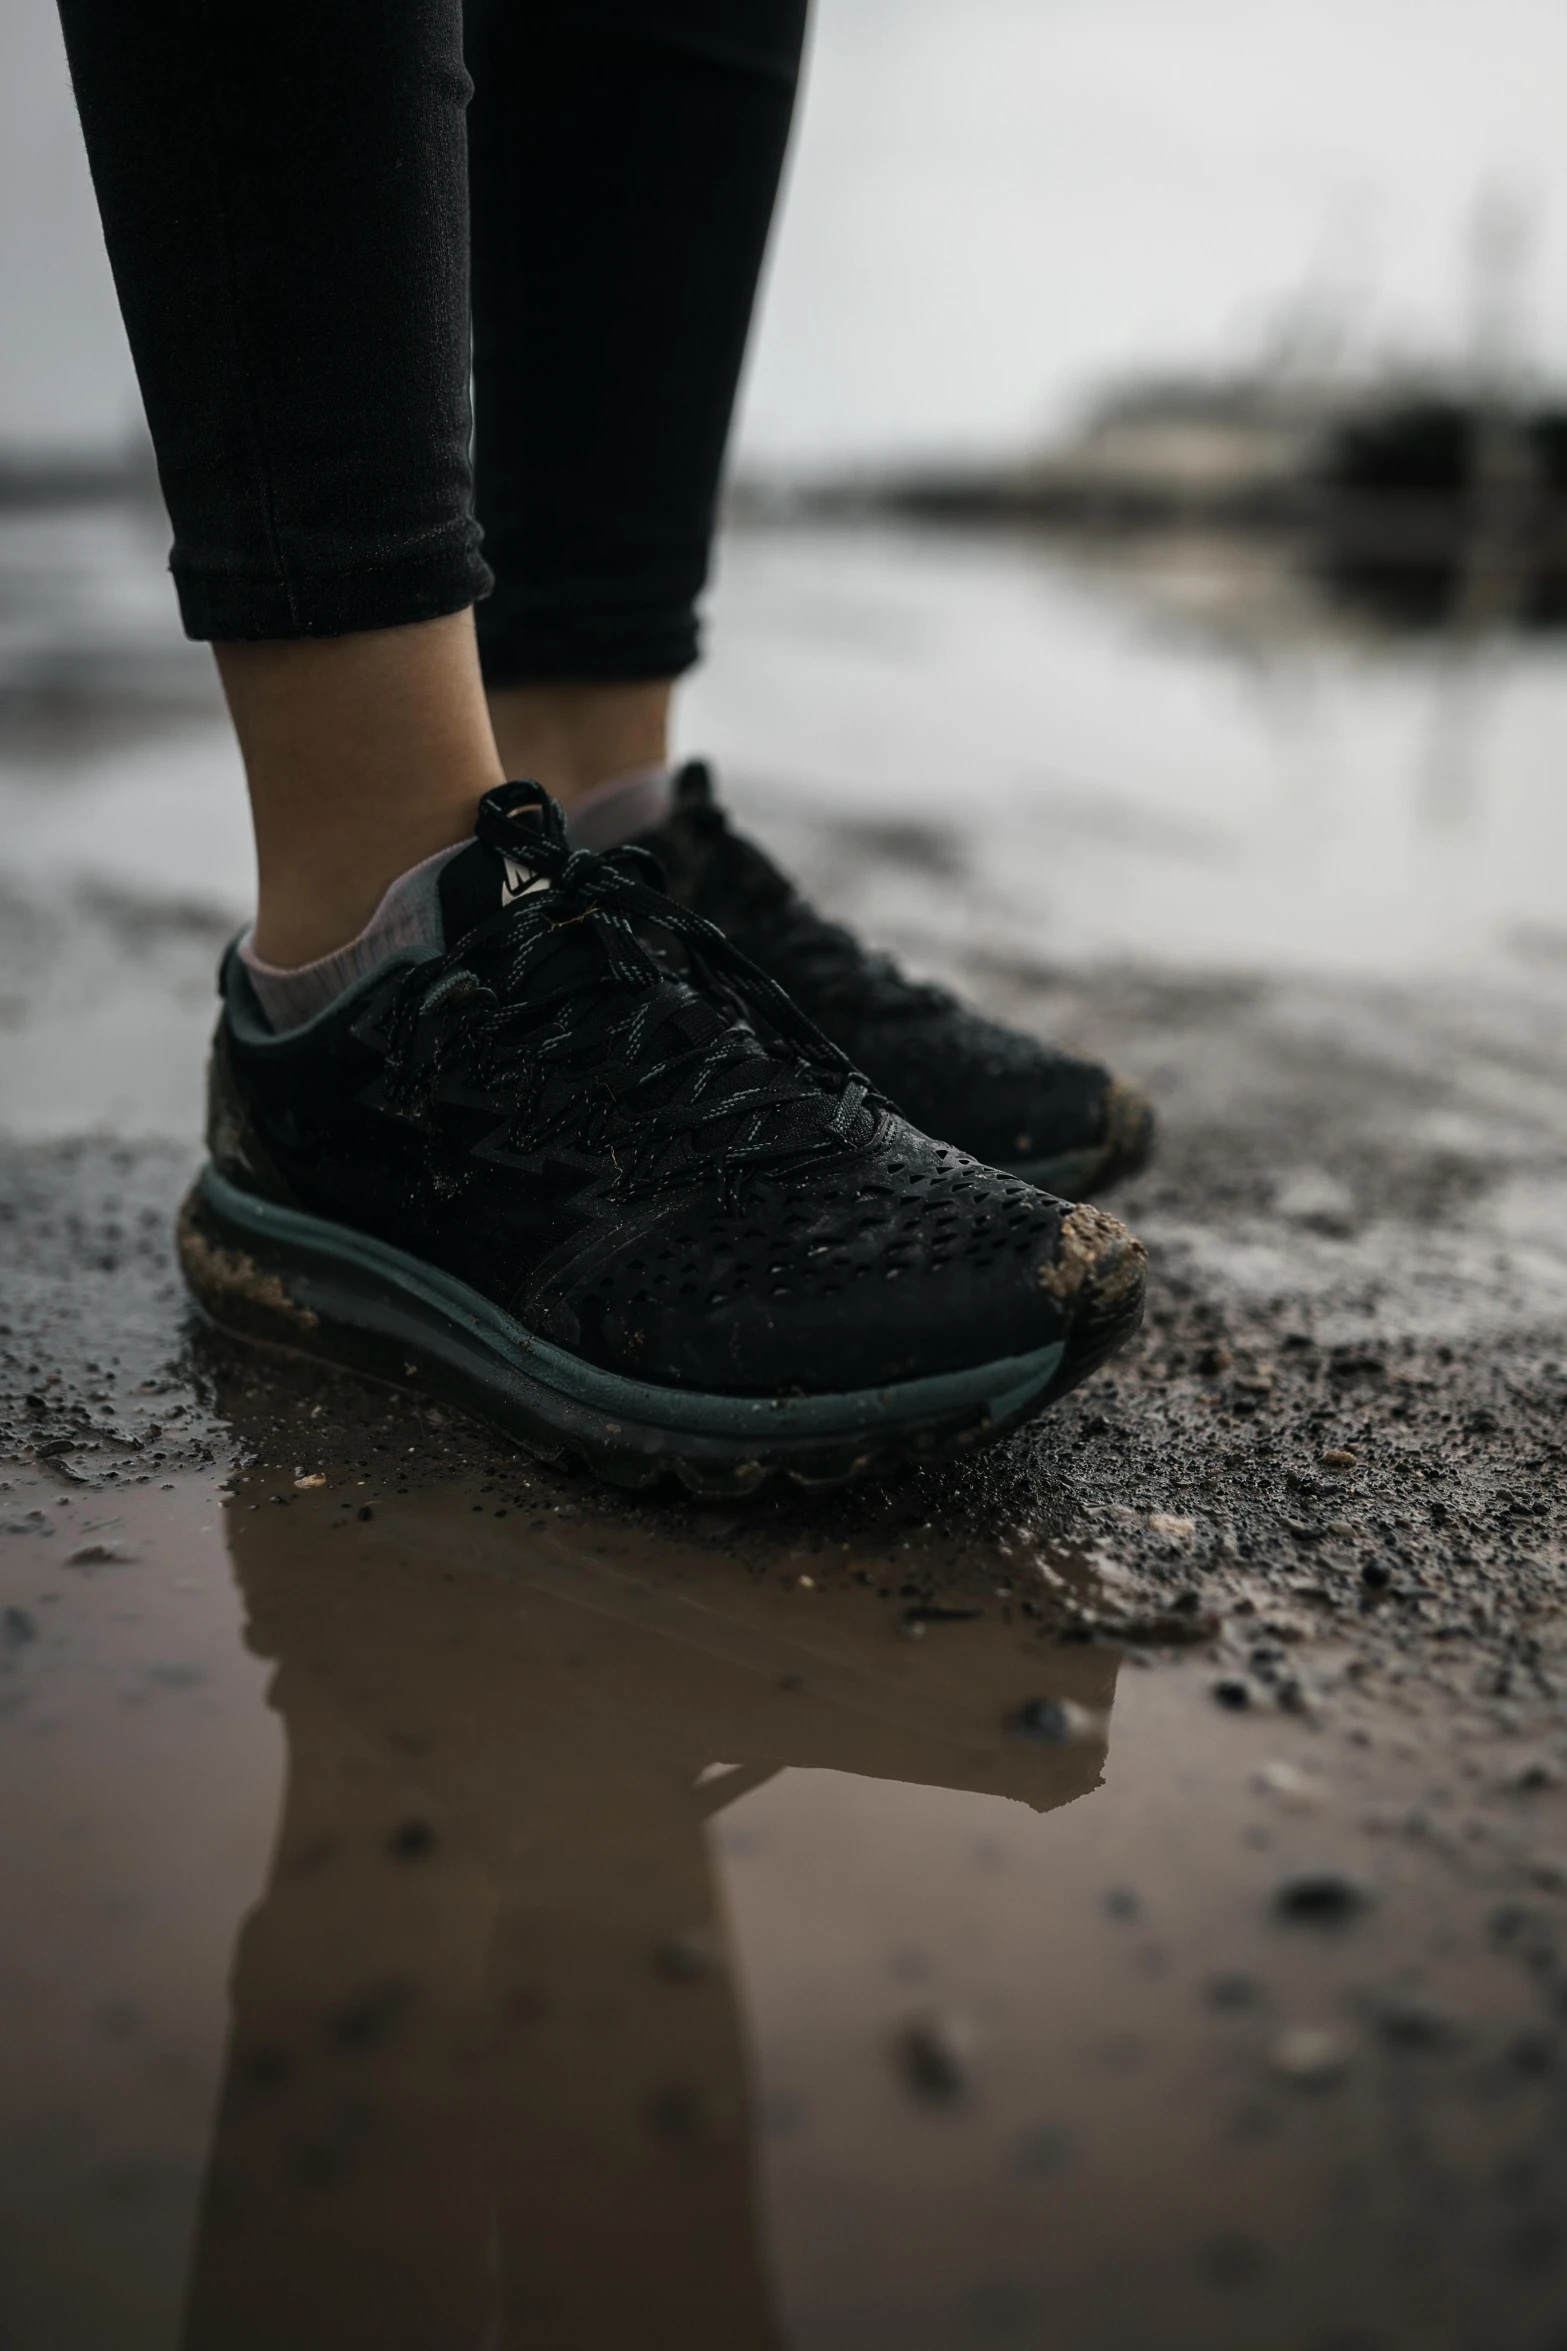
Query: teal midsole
314	1255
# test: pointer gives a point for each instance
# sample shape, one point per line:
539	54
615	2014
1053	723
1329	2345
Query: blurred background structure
999	208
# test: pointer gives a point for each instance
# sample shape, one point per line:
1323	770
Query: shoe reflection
486	2082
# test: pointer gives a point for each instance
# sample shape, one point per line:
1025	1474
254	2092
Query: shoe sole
277	1275
1126	1149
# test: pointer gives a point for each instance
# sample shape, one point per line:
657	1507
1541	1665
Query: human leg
625	162
507	1152
365	754
284	198
578	734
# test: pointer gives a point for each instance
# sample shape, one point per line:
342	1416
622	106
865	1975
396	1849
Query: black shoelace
819	959
829	965
560	1005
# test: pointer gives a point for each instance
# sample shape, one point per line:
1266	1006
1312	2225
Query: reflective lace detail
564	1012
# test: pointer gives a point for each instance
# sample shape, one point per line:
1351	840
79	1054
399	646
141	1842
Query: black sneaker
645	1217
1064	1124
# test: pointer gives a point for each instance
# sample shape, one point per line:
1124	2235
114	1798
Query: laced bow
446	1009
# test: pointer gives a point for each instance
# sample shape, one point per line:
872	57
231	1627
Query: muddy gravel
1332	1464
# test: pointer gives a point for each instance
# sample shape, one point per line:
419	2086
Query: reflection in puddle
487	2078
691	1930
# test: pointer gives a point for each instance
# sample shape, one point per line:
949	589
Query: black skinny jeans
286	189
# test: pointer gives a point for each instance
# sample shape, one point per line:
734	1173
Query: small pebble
1321	1897
1533	2052
688	1958
1419	2026
1320	1201
1053	1721
412	1840
935	2057
1288	1783
1233	1693
1232	1991
1310	2054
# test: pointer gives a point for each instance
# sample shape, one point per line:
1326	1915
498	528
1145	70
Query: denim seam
417	544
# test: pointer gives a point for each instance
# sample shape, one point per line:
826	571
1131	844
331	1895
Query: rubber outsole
1125	1149
274	1274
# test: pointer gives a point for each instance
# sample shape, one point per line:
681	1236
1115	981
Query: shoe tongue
708	865
477	883
693	786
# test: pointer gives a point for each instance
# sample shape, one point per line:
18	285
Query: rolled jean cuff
522	647
423	583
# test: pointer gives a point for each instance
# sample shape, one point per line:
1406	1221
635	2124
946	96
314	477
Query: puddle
449	1909
1224	781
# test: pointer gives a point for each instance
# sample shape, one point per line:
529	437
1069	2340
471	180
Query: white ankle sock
409	915
619	810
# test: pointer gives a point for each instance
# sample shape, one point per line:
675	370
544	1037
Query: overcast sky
995	204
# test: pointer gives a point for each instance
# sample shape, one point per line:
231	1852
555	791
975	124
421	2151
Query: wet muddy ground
1113	1892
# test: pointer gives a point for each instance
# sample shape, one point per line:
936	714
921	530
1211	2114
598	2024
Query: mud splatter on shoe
584	1169
1004	1097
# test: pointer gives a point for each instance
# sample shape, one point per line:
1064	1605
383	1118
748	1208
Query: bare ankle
364	755
571	736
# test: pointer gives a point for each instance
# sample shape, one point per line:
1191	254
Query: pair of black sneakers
639	1163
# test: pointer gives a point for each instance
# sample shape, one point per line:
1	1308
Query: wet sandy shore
1111	1893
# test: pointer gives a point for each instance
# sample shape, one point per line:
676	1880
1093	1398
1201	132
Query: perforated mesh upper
617	1159
908	1258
